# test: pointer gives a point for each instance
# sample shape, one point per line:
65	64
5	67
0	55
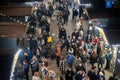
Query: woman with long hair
93	57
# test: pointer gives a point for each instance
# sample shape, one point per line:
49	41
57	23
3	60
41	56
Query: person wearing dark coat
75	33
33	44
20	73
100	76
66	14
88	38
80	67
67	43
80	11
98	50
43	52
93	57
75	13
80	75
62	34
108	59
92	73
29	56
84	58
69	74
25	55
26	69
113	77
34	65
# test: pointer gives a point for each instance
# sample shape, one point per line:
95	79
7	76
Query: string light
13	19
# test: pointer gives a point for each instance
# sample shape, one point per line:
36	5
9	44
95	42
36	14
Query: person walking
71	58
113	77
69	74
108	58
26	69
58	53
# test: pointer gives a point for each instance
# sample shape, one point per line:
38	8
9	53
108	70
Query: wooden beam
17	10
14	30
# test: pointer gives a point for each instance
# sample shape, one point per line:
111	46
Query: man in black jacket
92	73
113	77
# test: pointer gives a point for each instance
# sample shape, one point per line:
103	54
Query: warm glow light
14	63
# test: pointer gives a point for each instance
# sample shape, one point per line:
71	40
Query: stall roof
22	10
15	30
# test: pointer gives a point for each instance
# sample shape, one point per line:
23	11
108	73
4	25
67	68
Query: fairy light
13	19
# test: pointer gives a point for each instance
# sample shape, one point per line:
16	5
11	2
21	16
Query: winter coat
26	67
113	78
59	52
35	66
84	58
79	76
71	59
101	59
75	12
92	75
78	68
88	39
103	77
69	75
20	72
62	34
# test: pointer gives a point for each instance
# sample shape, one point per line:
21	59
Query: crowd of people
80	48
